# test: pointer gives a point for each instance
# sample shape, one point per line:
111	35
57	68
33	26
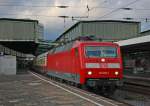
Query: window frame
85	51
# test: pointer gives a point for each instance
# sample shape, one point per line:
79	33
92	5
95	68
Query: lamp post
64	17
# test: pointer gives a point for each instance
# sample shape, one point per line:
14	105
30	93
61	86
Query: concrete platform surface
32	89
27	90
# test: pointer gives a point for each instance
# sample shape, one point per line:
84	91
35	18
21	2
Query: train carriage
40	63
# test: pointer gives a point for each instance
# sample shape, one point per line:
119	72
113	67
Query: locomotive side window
101	51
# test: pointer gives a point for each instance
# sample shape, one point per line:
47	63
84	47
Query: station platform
28	90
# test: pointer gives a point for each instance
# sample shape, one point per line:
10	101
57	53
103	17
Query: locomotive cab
101	65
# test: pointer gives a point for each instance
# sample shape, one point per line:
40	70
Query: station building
20	35
18	43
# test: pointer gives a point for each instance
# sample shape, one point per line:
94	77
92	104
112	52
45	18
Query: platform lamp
62	6
126	8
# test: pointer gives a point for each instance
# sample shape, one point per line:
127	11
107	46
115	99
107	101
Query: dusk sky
47	12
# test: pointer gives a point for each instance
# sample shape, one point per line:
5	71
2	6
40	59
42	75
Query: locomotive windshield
101	51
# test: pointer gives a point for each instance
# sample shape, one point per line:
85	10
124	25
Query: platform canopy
20	35
132	41
133	45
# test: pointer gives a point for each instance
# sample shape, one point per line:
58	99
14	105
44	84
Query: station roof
132	41
93	21
145	31
24	20
133	45
21	45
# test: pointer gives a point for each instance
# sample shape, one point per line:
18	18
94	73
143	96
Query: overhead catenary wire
21	4
74	18
48	16
58	6
126	5
79	17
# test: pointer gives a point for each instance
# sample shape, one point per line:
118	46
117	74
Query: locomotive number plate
104	73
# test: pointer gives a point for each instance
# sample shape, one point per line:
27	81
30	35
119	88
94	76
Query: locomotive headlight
89	72
102	60
116	72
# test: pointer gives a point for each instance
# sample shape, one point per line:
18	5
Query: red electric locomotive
88	63
94	64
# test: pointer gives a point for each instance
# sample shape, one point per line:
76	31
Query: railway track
89	96
138	88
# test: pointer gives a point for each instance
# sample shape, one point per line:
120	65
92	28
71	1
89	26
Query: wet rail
137	84
136	88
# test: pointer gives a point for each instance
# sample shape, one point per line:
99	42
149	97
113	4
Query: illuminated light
89	73
116	73
103	60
